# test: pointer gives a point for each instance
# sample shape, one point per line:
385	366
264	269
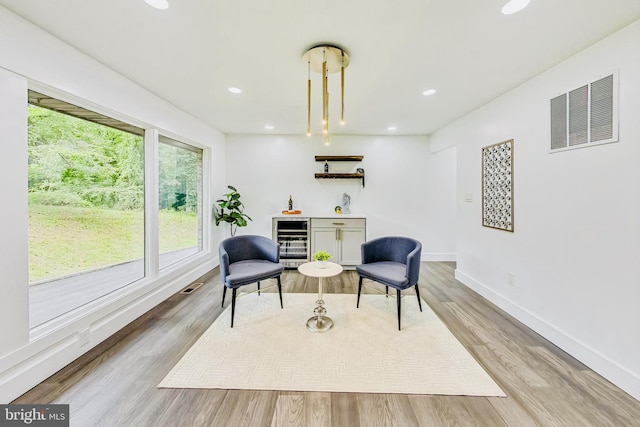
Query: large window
180	189
86	206
87	210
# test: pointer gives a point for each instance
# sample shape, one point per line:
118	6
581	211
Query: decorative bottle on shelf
326	167
290	203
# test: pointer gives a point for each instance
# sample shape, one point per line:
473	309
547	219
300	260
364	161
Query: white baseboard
609	369
42	357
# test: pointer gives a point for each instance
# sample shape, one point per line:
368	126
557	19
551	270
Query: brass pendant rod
327	125
342	88
309	100
324	92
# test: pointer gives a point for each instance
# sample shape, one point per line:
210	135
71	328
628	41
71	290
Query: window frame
154	278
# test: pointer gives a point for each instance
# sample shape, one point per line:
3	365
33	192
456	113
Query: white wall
576	246
408	190
13	175
29	57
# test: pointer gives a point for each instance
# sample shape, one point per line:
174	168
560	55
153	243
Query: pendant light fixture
325	59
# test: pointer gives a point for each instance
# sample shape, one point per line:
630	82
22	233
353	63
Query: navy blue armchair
392	261
245	260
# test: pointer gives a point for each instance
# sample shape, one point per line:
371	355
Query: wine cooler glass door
293	236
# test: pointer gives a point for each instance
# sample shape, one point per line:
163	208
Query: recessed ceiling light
268	127
158	4
233	89
429	92
514	6
392	128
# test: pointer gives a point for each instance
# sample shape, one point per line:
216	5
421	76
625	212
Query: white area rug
271	349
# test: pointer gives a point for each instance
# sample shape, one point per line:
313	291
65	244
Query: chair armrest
269	249
275	253
364	253
413	264
224	263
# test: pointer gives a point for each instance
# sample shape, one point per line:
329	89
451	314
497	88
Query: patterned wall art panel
497	186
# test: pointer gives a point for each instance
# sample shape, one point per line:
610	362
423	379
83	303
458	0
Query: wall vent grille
559	122
602	109
192	287
585	116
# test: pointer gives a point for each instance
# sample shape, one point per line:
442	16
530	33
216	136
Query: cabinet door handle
338	223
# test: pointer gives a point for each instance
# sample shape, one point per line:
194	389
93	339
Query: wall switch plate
468	197
511	279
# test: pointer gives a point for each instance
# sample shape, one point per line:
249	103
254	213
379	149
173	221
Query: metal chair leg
386	291
224	293
399	310
359	289
280	291
258	288
233	305
418	295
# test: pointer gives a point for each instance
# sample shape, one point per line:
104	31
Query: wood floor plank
464	327
482	412
344	410
246	408
515	387
512	412
115	384
426	411
303	409
317	409
583	391
451	411
385	410
289	411
193	408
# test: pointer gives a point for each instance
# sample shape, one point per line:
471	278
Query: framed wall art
497	186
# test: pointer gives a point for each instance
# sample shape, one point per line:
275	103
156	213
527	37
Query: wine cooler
293	236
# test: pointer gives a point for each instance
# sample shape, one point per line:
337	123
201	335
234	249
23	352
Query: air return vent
192	287
578	115
602	109
585	116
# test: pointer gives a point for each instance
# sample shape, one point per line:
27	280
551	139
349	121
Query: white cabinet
341	237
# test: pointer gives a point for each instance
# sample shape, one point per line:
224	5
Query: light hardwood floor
115	383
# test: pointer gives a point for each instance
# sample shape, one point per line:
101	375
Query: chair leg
399	310
418	295
359	289
386	291
224	293
280	291
233	305
258	288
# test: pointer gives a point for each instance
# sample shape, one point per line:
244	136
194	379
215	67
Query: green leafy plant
231	210
322	256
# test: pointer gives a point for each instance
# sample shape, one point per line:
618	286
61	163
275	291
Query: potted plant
321	258
230	209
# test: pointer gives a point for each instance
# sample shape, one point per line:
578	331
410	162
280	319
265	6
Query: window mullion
151	194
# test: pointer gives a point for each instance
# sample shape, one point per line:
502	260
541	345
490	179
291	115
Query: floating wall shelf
357	175
339	158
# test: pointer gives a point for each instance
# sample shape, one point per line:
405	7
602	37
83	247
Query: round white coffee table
319	322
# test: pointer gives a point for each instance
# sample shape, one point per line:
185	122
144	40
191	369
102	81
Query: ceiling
190	53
